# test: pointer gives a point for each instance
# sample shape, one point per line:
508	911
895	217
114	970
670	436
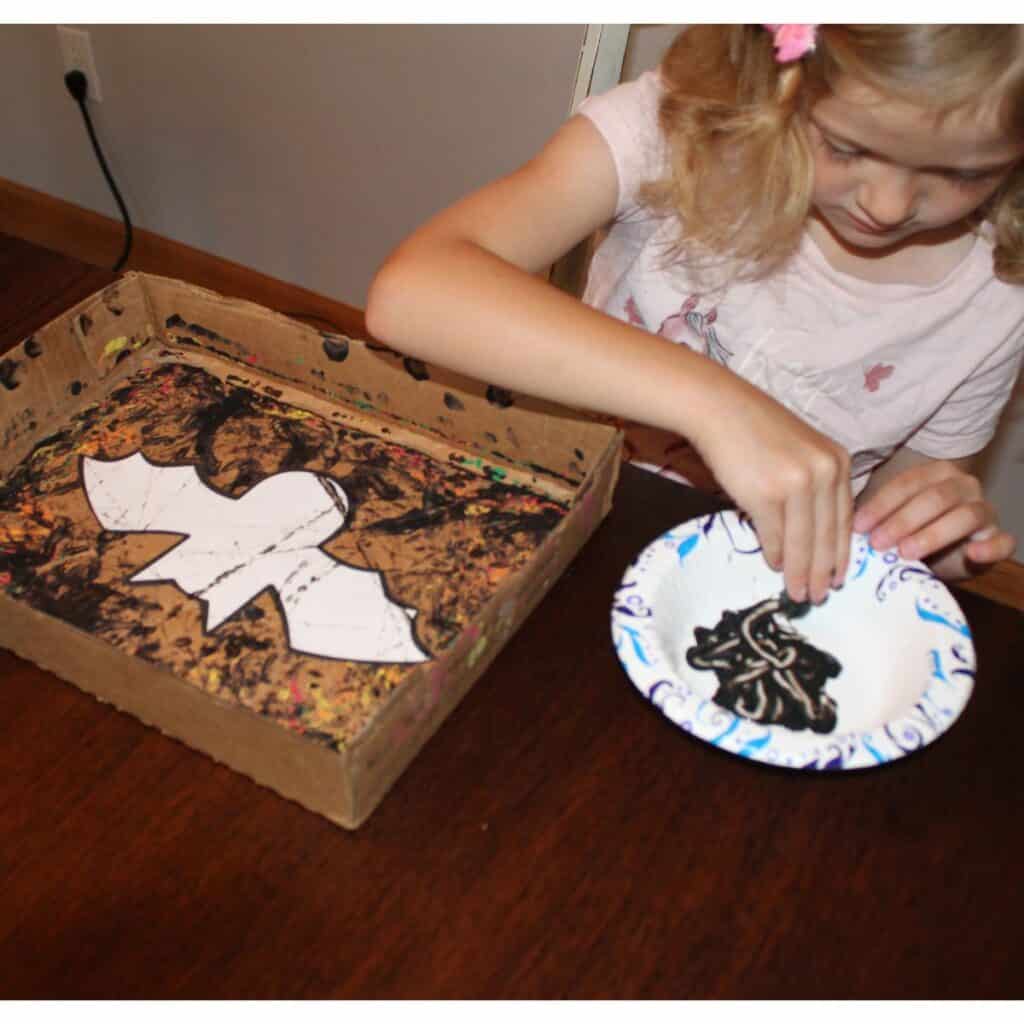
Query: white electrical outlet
76	50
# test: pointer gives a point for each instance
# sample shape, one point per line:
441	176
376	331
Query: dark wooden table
557	837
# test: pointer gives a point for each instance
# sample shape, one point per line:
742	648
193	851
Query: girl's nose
888	198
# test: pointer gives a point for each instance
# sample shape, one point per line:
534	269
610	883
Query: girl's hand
792	481
936	508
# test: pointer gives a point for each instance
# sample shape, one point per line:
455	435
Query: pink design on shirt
633	313
680	326
876	374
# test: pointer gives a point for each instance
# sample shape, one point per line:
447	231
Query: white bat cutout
234	548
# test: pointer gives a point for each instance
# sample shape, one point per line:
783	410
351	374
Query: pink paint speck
876	374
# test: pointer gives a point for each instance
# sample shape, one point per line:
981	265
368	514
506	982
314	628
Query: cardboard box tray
292	550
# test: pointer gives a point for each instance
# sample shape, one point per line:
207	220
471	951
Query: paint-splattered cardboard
292	550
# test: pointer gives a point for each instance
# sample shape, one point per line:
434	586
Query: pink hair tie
792	41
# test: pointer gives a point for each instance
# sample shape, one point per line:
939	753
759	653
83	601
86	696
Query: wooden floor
97	239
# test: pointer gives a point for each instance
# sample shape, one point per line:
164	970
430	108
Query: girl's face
886	171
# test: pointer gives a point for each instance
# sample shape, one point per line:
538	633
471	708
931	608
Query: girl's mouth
869	229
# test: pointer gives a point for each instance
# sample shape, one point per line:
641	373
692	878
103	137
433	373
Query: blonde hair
741	170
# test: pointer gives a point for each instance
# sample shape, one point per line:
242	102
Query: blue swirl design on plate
946	664
860	555
929	616
687	545
900	574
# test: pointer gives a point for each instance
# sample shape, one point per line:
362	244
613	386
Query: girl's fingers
798	544
880	506
949	527
885	515
768	525
991	545
823	556
927	506
844	528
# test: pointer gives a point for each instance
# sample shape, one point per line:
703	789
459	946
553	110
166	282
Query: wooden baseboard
98	240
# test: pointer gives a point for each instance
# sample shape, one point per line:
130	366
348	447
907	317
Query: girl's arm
463	292
934	510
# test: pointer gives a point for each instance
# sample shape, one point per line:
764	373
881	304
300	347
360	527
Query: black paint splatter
415	368
8	367
498	396
206	421
336	349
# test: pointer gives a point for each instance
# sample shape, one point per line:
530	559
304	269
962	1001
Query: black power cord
78	86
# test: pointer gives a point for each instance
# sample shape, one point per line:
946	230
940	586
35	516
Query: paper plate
879	670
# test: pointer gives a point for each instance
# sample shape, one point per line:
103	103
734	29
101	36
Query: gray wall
305	152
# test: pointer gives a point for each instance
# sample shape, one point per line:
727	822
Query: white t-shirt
873	366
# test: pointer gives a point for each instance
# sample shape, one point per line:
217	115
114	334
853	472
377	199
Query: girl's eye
841	153
967	178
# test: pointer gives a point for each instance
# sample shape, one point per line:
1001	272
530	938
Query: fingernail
910	550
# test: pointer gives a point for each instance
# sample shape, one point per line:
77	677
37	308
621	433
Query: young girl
810	278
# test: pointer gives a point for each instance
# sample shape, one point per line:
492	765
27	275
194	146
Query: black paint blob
32	347
7	370
75	387
415	368
452	402
336	349
498	396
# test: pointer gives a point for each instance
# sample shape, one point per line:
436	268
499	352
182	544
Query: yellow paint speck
478	648
114	345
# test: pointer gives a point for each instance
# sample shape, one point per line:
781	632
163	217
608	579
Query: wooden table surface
557	837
